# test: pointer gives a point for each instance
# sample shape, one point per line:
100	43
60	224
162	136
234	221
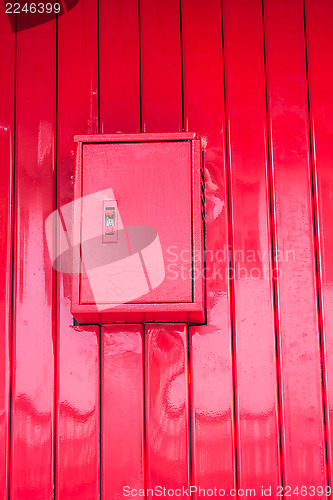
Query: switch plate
110	221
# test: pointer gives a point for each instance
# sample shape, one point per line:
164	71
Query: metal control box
138	248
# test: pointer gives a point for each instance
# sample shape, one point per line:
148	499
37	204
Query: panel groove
55	479
140	66
10	420
190	457
181	63
99	127
99	488
144	389
98	69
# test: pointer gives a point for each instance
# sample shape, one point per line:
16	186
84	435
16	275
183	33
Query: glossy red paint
138	171
166	347
122	404
252	308
319	16
155	66
167	408
212	413
7	89
77	361
32	419
119	66
303	439
161	79
122	375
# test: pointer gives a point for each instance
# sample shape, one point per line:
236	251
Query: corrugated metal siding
85	411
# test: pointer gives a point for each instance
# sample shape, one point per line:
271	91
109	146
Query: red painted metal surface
122	402
166	347
77	362
90	411
7	89
32	419
122	410
161	79
318	18
119	70
121	346
167	409
302	438
252	308
212	413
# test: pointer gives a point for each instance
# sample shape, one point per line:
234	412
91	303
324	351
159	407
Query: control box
138	246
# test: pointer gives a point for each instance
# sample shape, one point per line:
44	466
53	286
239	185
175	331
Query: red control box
138	248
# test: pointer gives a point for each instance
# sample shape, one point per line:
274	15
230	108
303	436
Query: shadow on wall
30	14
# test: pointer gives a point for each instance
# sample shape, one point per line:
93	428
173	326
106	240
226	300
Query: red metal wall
85	411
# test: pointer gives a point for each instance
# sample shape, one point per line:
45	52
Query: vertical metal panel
122	384
319	18
122	399
258	457
303	439
167	410
119	66
33	315
161	82
7	88
166	347
77	466
213	461
77	398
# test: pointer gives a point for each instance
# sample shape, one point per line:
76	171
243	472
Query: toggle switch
110	221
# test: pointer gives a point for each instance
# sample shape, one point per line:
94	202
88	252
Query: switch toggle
109	220
110	212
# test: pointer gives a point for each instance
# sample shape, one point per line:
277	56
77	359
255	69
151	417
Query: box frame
189	312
